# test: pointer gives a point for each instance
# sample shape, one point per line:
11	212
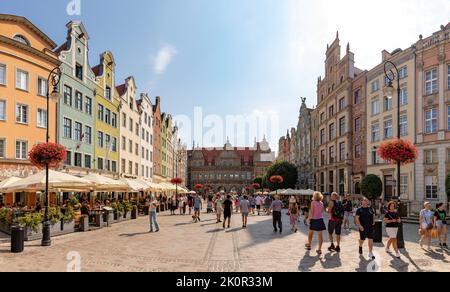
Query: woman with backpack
336	211
294	213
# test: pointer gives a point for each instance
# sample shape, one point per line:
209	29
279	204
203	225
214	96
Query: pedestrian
268	203
365	220
185	204
258	201
306	214
315	221
244	206
227	211
251	199
152	207
276	208
294	214
348	209
426	224
181	204
392	221
292	201
336	211
197	201
440	223
219	208
355	208
190	204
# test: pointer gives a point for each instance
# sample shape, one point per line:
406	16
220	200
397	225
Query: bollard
84	223
99	220
17	239
378	232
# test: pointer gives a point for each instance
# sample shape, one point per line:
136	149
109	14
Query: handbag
434	233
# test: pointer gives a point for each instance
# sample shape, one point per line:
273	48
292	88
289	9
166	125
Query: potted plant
127	207
32	222
118	211
68	220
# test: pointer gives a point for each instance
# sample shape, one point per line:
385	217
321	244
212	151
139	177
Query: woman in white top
426	224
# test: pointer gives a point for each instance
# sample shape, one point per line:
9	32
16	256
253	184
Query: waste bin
17	239
378	232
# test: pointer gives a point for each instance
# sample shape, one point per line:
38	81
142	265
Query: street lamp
52	82
392	75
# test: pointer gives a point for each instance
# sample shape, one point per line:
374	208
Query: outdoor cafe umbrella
57	182
7	182
106	184
135	185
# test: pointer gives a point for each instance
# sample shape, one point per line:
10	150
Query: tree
447	186
285	169
372	187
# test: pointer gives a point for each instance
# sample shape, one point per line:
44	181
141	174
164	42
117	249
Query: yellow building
107	105
382	121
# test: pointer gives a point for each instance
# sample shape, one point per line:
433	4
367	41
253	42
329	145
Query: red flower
199	186
398	150
176	181
50	154
276	179
256	186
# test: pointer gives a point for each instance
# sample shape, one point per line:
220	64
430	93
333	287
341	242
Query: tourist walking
294	214
276	208
181	204
258	201
197	201
336	212
440	223
152	207
251	199
219	208
268	203
305	214
348	209
244	206
365	220
392	221
426	224
292	201
315	221
227	211
190	204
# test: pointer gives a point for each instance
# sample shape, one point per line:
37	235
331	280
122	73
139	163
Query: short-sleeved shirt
197	202
244	204
277	205
227	205
427	215
219	203
258	200
365	216
441	216
392	216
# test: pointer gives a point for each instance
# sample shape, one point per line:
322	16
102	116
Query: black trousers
277	220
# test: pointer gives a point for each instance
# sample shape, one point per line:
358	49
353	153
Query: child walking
294	215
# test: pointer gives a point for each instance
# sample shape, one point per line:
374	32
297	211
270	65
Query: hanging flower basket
50	154
256	186
398	150
276	179
199	186
176	181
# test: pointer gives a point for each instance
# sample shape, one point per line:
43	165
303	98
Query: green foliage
69	216
127	206
372	187
6	216
285	169
54	215
119	208
31	220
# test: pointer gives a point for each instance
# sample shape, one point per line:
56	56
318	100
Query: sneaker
445	245
157	230
388	250
281	231
360	250
397	255
331	248
371	256
151	231
275	230
338	249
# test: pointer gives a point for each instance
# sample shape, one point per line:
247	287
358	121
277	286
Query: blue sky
233	56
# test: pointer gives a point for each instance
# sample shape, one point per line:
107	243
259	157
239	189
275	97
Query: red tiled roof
63	47
121	89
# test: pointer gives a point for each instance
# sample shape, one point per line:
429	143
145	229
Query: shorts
392	232
252	206
226	215
219	211
335	227
440	224
317	225
347	215
197	209
258	207
368	233
245	215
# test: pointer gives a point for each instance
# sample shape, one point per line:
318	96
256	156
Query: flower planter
5	228
84	223
134	214
127	216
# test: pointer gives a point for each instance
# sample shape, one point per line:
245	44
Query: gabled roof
121	89
63	47
98	70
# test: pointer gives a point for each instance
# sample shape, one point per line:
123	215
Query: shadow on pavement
331	261
308	262
133	234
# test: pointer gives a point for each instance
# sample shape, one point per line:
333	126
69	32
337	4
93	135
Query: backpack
338	210
294	211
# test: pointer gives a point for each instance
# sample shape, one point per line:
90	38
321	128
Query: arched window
21	39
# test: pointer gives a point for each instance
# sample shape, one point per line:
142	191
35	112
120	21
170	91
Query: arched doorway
357	188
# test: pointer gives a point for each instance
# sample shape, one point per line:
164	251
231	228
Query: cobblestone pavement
183	246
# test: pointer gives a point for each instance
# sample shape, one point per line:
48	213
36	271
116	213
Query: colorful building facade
146	112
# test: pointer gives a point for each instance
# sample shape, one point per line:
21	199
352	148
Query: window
22	80
136	149
341	126
136	169
375	86
375	133
431	82
448	76
87	161
431	121
387	104
22	114
375	157
68	158
108	93
124	143
2	148
403	185
322	117
142	152
79	71
88	135
100	139
404	125
131	125
357	124
357	96
78	160
67	95
322	137
332	132
331	153
388	134
331	111
21	39
21	150
114	120
88	105
124	120
78	132
100	163
342	151
79	101
123	165
107	116
403	72
358	151
137	129
41	118
130	167
375	107
67	128
431	187
341	104
101	110
114	144
108	165
113	166
130	146
42	87
430	156
403	96
108	141
143	134
2	74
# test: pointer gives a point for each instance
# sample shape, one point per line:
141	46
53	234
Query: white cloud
163	58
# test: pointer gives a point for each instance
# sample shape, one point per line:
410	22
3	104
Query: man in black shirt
227	210
440	223
365	220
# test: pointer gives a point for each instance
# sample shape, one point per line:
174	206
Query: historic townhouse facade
76	116
284	148
146	111
166	146
304	147
433	116
359	128
107	123
157	140
334	95
179	160
382	121
26	59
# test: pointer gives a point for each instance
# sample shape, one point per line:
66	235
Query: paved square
183	246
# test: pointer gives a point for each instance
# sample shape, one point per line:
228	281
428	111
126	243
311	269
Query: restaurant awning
7	182
135	185
106	184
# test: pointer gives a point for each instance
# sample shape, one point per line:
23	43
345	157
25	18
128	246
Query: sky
234	61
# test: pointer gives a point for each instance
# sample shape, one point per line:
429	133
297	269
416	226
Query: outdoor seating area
76	204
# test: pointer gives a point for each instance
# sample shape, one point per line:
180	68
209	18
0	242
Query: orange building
26	59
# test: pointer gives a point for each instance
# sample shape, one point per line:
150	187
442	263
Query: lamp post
392	75
52	82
